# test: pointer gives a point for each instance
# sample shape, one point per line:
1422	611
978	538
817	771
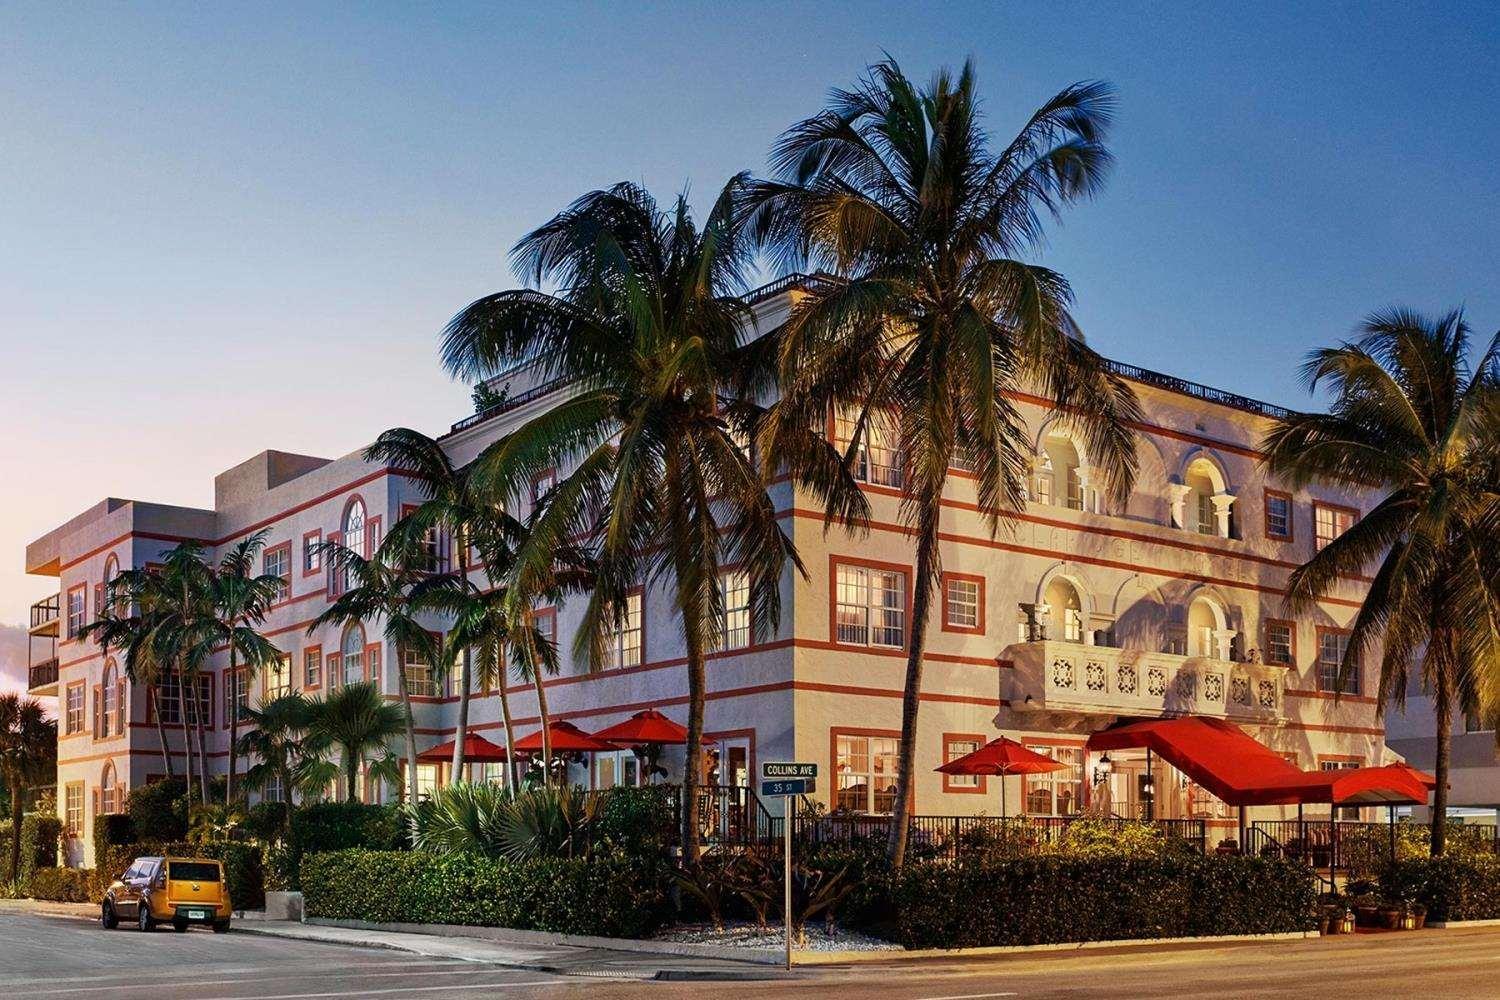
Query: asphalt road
51	958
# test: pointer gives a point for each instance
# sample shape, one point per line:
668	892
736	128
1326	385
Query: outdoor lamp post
1103	769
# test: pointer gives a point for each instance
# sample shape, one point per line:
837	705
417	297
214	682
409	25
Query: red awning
647	727
1241	771
477	750
565	738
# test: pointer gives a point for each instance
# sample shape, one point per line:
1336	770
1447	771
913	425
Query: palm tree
381	589
284	757
932	323
647	324
357	720
1412	417
28	757
238	603
449	505
127	623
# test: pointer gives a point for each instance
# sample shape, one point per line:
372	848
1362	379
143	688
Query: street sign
788	786
787	769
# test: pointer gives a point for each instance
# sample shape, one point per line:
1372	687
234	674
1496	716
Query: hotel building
1075	615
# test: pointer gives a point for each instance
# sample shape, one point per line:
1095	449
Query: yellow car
178	891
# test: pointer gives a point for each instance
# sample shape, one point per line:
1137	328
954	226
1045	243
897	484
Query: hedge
40	835
1452	888
242	866
332	826
613	897
1052	899
63	885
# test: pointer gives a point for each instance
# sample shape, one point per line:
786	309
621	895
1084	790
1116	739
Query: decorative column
1222	504
1090	495
1224	642
1177	494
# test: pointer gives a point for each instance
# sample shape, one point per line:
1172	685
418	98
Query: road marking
108	983
425	989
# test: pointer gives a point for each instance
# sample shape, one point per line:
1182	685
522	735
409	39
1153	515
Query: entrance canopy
1240	771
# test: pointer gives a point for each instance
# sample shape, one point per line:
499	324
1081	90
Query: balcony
1072	677
44	616
41	679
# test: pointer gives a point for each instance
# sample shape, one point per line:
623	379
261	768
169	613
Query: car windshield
193	871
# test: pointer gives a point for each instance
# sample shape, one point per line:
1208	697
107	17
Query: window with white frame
169	698
77	610
354	528
1208	521
961	596
870	606
1331	649
353	649
420	679
312	552
277	562
1056	793
1279	643
312	667
878	460
866	770
111	714
427	781
624	644
954	748
541	485
109	790
276	678
236	694
73	809
1278	515
1330	522
734	598
73	715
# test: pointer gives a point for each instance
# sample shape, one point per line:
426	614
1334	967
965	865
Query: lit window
236	694
73	809
1345	812
1056	793
878	460
312	668
277	562
77	609
1278	515
1330	522
1208	521
1279	643
961	603
952	750
73	719
277	679
623	647
427	775
1331	649
871	606
353	648
419	674
734	597
866	769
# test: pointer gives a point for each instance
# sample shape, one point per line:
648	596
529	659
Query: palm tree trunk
1443	696
411	736
189	712
461	731
692	628
541	708
351	774
234	734
911	694
17	817
203	756
161	727
511	773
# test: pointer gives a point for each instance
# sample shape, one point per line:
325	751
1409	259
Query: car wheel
221	926
143	916
107	918
180	926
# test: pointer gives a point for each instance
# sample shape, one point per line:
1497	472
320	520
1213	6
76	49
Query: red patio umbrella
565	738
1002	757
646	728
477	750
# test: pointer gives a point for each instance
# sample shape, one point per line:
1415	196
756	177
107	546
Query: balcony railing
1054	676
42	674
46	611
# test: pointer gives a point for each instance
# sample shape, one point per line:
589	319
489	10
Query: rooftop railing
45	611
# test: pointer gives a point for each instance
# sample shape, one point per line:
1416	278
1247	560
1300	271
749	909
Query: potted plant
1388	916
1417	914
1228	846
1366	908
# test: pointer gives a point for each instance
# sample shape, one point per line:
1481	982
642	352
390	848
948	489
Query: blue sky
226	228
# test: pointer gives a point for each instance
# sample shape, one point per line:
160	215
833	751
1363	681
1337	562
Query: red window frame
1291	628
834	562
979	626
981	787
316	537
322	667
1266	497
265	556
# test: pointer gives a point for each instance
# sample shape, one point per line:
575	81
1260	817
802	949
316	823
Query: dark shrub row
1452	888
609	897
1051	899
242	866
39	839
63	885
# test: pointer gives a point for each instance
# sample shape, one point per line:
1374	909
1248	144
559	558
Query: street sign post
787	779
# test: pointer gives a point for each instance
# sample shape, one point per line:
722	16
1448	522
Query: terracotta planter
1367	916
1390	919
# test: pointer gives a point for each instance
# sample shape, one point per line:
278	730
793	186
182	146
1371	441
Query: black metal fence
1354	848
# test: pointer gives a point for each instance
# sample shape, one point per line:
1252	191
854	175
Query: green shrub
279	864
636	820
1055	898
63	885
265	821
113	830
159	810
40	836
614	897
335	826
1465	887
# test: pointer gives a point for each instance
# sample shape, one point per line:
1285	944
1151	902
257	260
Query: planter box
284	906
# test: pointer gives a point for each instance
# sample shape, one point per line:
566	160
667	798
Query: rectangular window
1332	645
1281	643
312	553
878	460
866	769
77	610
1075	488
372	666
869	606
312	668
734	598
236	695
73	716
335	670
541	484
277	562
73	809
1341	764
1056	793
963	603
169	699
427	775
1330	521
276	679
420	678
429	555
624	646
955	747
1208	521
1278	515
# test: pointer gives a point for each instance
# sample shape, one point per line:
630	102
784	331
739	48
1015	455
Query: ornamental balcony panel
1050	676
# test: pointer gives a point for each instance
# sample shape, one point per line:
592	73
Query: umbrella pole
1002	797
1390	813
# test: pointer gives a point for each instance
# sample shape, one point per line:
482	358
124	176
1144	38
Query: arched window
1208	629
109	789
108	601
1066	611
353	650
354	527
1206	503
110	702
1059	478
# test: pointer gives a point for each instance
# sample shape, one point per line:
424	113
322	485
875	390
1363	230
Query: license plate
197	914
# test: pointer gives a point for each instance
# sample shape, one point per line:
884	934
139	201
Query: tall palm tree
284	756
28	757
932	322
358	721
1412	417
126	623
239	601
647	324
450	506
381	590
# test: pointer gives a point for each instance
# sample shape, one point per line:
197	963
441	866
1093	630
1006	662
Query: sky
227	228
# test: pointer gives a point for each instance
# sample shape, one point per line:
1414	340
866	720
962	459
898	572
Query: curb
1460	924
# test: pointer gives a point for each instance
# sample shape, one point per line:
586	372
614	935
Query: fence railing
42	674
1350	847
951	836
45	611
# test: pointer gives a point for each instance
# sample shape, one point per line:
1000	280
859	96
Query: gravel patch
750	936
